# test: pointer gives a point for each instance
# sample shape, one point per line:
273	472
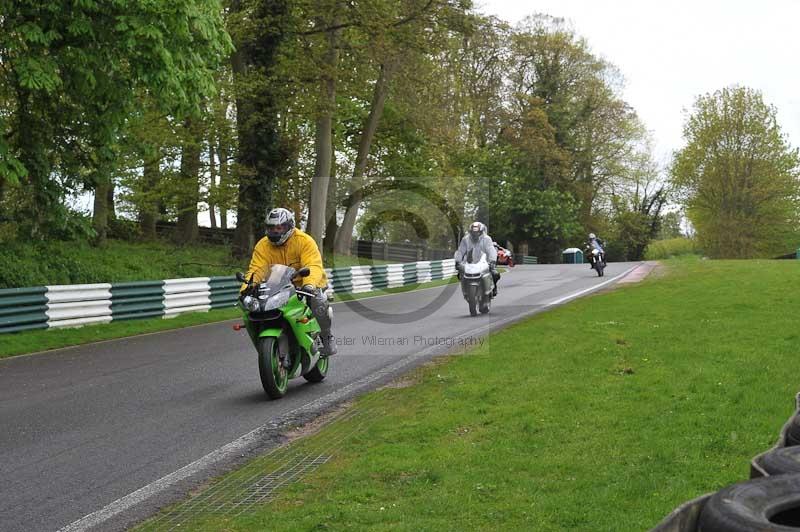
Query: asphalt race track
85	427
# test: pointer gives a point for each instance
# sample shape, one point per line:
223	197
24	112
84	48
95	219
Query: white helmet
592	236
280	225
476	230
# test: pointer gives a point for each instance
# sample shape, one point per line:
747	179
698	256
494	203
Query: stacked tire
768	503
793	431
771	502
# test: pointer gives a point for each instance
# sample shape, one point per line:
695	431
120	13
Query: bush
75	262
673	247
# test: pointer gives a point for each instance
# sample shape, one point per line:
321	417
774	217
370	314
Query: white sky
671	52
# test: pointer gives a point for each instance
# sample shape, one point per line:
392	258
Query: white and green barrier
43	307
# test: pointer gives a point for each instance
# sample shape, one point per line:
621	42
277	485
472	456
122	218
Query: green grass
39	264
47	339
605	414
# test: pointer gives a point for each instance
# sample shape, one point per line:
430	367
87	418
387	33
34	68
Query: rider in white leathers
477	241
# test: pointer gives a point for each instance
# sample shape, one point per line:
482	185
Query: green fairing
295	310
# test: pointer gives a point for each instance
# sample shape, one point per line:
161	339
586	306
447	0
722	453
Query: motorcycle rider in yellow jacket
285	244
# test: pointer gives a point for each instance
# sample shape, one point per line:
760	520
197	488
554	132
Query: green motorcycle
283	329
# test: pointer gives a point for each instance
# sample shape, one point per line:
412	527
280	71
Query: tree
260	31
70	73
552	68
739	178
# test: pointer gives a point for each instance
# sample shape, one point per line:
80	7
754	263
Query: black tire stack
769	501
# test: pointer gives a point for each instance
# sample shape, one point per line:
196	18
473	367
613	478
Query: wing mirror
240	277
303	272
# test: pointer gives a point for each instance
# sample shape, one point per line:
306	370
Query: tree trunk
224	181
186	230
39	190
323	141
344	236
149	206
332	225
212	184
243	237
262	156
100	214
112	206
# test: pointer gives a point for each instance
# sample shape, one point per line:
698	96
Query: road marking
591	288
236	447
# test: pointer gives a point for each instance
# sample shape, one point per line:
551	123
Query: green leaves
11	169
739	179
38	73
73	69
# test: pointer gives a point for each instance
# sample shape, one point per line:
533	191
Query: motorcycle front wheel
472	300
274	377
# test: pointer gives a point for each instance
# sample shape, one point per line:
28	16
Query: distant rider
285	244
476	240
597	243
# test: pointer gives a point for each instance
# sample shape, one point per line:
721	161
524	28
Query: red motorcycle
504	256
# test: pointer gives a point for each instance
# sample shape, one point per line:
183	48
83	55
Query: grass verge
604	414
47	339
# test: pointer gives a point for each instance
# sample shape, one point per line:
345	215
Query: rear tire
486	305
274	377
320	370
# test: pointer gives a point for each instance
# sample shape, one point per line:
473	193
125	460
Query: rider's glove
310	288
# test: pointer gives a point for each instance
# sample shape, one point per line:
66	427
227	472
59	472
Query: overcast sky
670	52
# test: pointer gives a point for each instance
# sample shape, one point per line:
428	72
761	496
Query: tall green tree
259	28
69	76
739	177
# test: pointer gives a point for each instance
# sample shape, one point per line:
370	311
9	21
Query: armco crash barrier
43	307
685	517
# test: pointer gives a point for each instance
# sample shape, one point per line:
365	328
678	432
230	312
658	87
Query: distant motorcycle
477	285
504	256
597	259
283	329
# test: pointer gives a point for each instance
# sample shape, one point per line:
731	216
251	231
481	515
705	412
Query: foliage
76	262
69	79
673	247
739	178
670	226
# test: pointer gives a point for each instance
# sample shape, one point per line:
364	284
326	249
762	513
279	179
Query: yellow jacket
299	251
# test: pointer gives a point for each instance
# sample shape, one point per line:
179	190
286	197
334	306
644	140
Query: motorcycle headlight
278	300
250	303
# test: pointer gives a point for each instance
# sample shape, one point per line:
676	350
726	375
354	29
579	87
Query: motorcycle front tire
274	377
472	300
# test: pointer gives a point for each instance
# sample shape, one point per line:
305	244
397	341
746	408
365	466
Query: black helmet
280	225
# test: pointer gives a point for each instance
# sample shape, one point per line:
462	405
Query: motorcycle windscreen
473	257
275	276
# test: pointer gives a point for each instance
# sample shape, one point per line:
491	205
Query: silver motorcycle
477	285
